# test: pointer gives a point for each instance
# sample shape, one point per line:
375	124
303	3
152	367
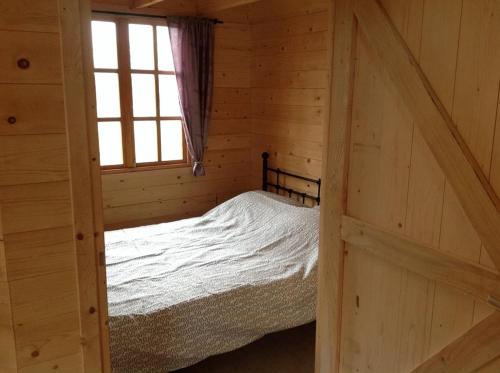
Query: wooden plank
343	36
473	279
38	253
80	114
33	159
35	206
8	363
452	310
271	11
38	16
138	4
211	6
33	116
468	353
491	367
293	26
45	313
40	49
407	79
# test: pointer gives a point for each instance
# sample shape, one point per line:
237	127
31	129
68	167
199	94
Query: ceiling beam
210	6
138	4
407	80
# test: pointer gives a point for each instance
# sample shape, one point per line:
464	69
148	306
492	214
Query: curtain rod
216	21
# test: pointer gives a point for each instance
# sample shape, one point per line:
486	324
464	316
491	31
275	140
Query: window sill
124	170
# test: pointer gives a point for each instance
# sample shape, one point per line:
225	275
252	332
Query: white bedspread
180	292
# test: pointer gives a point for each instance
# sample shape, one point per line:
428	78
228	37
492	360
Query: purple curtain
193	49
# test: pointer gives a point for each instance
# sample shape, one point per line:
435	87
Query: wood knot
35	353
11	120
79	237
23	63
92	310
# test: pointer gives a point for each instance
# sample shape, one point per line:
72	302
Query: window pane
104	45
110	143
172	146
165	58
107	95
144	95
146	142
169	96
141	47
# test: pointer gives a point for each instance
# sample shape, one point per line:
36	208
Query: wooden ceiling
204	6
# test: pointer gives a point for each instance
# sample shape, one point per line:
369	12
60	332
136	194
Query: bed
183	291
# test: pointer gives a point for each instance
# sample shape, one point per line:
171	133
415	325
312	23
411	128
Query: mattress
183	291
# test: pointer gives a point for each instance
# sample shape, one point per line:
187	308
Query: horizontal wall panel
299	148
167	193
25	15
307	115
229	142
229	126
291	79
36	253
35	206
48	339
42	52
180	207
231	96
232	78
293	26
114	182
288	131
37	109
270	11
43	297
231	111
283	96
232	59
69	364
33	159
317	41
297	61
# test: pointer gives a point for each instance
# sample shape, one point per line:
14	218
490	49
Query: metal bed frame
279	187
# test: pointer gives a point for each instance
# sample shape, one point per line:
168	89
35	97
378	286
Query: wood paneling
41	49
41	328
289	80
174	7
144	197
8	363
25	15
469	353
395	317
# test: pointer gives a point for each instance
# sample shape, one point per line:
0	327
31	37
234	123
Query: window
138	111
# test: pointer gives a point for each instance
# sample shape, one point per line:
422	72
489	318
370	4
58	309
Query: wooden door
410	240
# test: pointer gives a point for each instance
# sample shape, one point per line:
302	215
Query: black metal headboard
278	187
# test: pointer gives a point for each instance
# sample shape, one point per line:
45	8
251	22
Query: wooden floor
290	351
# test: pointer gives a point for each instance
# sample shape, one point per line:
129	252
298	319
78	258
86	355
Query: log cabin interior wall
271	84
392	318
48	317
142	197
289	85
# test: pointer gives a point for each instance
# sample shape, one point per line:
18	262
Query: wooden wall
271	87
151	196
8	363
289	85
40	314
392	319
